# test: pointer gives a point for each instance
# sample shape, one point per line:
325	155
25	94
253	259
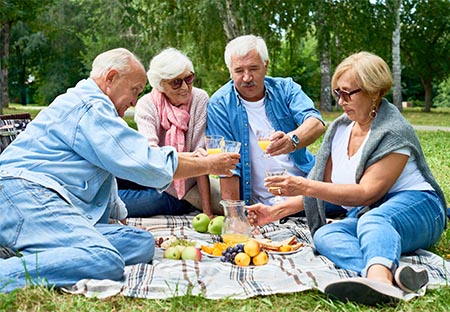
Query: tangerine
242	259
261	258
252	247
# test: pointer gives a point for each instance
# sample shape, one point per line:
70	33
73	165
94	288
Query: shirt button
99	204
245	125
246	164
246	182
246	144
89	217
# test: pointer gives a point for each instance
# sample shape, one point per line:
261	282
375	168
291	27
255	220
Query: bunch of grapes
231	252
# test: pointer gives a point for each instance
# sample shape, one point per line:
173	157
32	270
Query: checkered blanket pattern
212	279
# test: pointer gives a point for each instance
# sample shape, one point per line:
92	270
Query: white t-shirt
258	120
344	168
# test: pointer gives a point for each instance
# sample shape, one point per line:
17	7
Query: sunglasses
345	94
177	83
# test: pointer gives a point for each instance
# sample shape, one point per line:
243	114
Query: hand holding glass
272	172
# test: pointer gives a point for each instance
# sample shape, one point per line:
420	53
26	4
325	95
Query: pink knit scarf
175	121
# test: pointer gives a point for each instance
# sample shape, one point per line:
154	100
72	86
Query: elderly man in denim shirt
252	101
58	187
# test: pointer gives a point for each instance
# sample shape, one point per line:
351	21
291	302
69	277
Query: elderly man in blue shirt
58	187
252	101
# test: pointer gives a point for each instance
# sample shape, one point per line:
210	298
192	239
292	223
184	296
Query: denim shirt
287	107
78	144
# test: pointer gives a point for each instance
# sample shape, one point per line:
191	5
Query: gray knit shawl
390	131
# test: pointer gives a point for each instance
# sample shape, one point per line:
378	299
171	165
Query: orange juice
263	144
213	151
234	238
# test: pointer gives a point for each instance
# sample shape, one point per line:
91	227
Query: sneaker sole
363	291
410	280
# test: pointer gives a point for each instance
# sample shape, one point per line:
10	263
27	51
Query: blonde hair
168	64
371	73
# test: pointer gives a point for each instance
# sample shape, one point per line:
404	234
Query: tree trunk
428	86
5	35
396	62
323	39
229	23
325	81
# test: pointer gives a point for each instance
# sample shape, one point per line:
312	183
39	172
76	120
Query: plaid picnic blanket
212	279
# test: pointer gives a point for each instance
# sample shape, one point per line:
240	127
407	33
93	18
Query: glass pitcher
236	228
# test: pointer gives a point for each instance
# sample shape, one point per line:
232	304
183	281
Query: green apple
200	222
172	253
191	253
180	248
215	225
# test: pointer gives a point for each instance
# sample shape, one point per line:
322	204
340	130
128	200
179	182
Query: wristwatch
295	141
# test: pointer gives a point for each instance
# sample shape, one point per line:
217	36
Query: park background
49	45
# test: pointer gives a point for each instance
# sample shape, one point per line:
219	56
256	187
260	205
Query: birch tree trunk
229	23
396	62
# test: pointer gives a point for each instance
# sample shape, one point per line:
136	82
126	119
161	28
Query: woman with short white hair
173	113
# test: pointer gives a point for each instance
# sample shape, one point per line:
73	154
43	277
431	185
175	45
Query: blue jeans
142	203
57	243
404	222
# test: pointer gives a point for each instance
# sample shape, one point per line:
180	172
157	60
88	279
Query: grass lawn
436	147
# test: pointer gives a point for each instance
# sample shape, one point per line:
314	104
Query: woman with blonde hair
370	163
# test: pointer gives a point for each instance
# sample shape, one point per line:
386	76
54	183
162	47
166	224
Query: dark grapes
230	253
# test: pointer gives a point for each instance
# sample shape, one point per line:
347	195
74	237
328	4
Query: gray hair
119	59
242	45
168	64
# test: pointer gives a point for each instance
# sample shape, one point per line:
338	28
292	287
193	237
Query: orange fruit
261	258
207	249
285	248
252	247
242	259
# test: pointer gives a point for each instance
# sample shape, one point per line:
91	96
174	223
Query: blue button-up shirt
78	144
287	107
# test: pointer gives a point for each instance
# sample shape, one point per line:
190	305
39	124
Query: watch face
295	139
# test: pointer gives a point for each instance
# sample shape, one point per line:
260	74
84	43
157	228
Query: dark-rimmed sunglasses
177	83
345	94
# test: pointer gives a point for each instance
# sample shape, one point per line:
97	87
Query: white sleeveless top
344	168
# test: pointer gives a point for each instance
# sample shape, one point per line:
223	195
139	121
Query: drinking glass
263	136
229	146
272	172
213	143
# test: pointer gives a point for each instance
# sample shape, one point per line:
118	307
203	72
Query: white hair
242	45
119	59
168	64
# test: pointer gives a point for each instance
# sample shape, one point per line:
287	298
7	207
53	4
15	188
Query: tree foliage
306	39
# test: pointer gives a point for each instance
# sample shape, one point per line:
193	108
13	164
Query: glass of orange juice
214	143
263	136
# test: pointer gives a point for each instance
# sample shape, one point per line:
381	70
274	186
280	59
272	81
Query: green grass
435	145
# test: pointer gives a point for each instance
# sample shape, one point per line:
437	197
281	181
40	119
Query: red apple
191	253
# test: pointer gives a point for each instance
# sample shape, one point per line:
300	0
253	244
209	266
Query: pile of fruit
202	224
240	254
183	249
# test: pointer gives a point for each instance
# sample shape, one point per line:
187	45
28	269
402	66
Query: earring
373	112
